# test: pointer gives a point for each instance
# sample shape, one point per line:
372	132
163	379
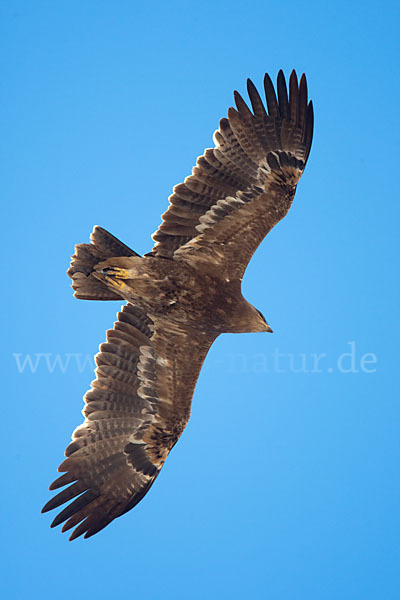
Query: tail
103	246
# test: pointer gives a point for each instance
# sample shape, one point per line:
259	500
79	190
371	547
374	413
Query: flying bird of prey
179	298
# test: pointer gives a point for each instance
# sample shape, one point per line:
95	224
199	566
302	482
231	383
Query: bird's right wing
135	412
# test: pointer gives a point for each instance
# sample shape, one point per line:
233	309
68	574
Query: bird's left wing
241	188
136	410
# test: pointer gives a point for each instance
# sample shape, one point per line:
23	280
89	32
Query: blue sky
285	483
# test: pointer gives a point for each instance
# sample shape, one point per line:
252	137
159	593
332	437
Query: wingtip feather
282	95
255	99
270	96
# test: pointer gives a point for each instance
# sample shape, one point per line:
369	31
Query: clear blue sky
285	483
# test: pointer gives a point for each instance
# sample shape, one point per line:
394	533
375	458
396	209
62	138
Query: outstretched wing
135	412
241	188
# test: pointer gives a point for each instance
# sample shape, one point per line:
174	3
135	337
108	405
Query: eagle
179	298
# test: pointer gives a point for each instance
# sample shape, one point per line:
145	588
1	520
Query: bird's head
251	320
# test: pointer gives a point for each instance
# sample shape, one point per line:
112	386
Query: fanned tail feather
102	247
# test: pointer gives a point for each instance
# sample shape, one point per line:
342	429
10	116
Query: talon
115	283
115	272
114	277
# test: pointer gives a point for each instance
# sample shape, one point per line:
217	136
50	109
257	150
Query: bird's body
182	294
180	297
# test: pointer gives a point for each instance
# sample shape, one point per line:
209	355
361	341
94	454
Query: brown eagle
180	297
